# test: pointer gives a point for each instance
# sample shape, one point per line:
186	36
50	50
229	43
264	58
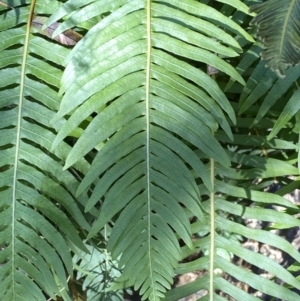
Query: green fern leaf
151	108
252	157
35	254
97	271
278	28
291	108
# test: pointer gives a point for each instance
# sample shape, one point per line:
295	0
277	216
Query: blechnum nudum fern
144	132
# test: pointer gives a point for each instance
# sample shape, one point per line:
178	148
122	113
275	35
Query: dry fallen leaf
68	37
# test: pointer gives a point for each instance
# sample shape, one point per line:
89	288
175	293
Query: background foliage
136	138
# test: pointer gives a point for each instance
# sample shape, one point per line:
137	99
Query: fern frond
289	111
97	271
135	73
36	198
223	239
263	88
278	29
237	199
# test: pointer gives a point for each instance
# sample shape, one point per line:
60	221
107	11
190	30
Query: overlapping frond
97	271
264	94
290	110
278	27
135	73
36	197
239	199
